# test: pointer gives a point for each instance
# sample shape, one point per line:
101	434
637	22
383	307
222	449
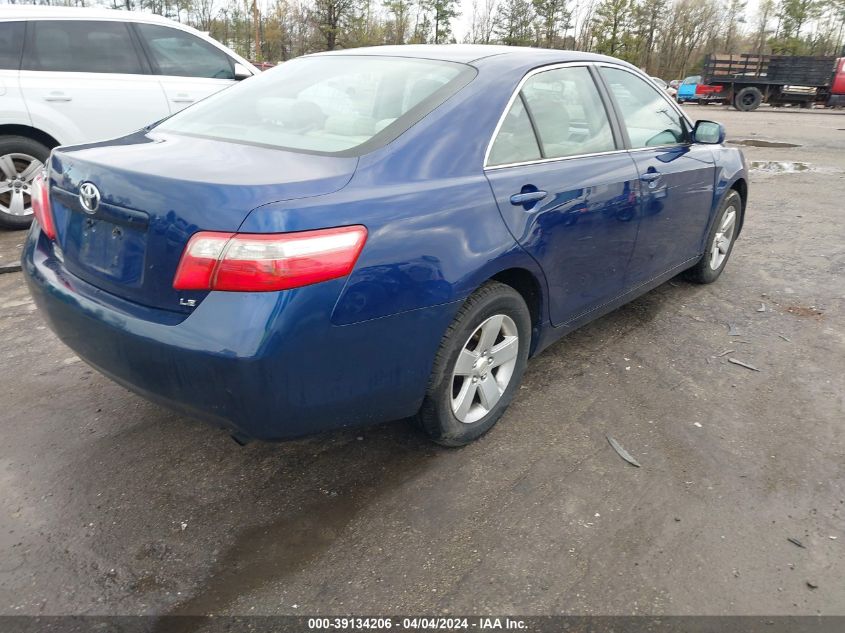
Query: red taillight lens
40	198
262	262
200	259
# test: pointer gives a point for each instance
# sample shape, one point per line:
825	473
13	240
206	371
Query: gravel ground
113	505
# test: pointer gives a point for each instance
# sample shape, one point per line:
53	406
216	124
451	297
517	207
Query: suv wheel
21	158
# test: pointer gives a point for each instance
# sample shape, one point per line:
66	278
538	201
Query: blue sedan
367	235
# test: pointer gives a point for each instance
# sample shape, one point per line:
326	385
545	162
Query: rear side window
80	46
568	113
181	54
515	142
11	45
563	106
650	119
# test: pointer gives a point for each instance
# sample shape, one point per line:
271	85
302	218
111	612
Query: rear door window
180	54
515	142
568	113
558	113
11	45
80	46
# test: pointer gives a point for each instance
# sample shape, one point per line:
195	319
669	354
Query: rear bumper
267	366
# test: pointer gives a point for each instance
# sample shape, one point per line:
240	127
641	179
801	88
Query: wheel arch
15	129
529	285
741	187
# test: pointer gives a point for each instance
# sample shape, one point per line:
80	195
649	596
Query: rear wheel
21	158
748	99
720	241
478	366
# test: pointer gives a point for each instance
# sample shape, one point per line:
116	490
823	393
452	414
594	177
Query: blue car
687	89
367	235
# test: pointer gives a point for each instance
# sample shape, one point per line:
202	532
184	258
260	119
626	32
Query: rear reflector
250	262
40	199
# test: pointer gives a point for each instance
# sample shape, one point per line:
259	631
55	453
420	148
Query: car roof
475	53
42	12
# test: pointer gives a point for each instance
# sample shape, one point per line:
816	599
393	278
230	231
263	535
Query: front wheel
478	366
720	241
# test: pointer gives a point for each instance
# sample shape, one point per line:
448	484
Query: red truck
747	80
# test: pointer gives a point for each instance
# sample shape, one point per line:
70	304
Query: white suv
71	76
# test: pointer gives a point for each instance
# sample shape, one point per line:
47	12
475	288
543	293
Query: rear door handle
650	176
57	96
527	197
183	98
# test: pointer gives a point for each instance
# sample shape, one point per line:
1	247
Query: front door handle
650	176
182	98
527	197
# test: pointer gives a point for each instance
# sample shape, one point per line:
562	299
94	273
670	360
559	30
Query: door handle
183	98
57	96
527	197
650	176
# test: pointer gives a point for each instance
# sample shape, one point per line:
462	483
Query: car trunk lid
153	191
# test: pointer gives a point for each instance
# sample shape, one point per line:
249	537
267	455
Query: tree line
666	38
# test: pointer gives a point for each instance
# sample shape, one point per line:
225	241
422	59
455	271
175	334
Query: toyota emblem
89	197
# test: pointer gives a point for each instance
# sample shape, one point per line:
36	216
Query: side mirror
242	72
708	132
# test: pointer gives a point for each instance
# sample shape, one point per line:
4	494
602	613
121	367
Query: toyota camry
361	236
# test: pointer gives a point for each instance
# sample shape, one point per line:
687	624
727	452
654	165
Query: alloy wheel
17	172
723	238
484	368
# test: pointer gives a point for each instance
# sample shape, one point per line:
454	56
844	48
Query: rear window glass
11	45
80	46
329	104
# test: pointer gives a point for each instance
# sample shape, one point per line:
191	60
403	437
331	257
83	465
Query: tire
19	154
748	99
493	312
709	267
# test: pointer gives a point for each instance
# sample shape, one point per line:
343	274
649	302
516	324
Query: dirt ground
114	505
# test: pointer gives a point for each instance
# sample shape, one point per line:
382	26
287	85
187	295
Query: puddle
758	142
778	166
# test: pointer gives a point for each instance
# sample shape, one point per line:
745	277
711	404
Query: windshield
325	104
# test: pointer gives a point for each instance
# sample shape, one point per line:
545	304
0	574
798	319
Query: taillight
40	199
261	262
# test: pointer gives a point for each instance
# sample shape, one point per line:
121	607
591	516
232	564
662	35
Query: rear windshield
342	105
